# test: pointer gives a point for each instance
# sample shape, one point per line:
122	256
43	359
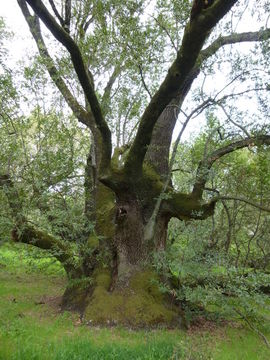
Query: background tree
110	61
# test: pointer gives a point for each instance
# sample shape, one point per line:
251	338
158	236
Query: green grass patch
241	344
33	328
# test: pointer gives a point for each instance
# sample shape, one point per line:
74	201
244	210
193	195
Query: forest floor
33	328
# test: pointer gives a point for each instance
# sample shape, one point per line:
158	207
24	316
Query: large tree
129	193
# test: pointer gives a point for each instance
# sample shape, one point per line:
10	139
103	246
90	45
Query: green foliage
47	157
206	282
220	267
220	264
236	228
21	258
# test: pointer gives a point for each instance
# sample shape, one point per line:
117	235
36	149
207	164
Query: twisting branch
27	233
206	164
34	26
247	201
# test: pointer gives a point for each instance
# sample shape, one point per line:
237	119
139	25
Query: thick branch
158	150
33	23
194	37
206	164
234	39
29	234
185	207
62	251
63	37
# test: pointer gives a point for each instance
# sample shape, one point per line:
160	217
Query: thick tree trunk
124	288
129	294
133	252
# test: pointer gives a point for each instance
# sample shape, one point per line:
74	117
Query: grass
32	328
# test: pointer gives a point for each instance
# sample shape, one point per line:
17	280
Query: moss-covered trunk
123	287
128	293
120	284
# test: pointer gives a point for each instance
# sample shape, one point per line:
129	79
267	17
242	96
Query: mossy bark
123	287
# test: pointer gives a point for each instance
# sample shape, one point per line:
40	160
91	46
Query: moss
147	281
127	308
104	307
139	305
151	178
116	162
105	212
142	310
103	278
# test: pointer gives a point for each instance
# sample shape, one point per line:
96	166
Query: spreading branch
206	164
235	38
34	26
185	206
242	199
162	134
27	233
82	72
194	37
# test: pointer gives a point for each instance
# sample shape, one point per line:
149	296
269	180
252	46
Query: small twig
166	31
253	327
232	121
143	81
56	12
264	208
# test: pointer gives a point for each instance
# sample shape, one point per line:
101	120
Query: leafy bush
207	283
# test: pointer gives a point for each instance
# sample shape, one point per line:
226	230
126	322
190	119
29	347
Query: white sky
22	43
